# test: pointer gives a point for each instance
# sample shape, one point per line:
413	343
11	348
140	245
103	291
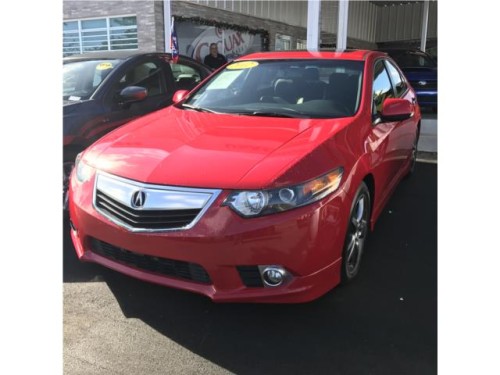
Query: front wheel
413	156
357	231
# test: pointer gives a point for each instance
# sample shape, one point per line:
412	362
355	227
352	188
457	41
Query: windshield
82	78
283	88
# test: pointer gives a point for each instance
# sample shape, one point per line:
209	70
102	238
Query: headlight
264	202
83	171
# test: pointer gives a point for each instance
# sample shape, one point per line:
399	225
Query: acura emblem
422	83
138	199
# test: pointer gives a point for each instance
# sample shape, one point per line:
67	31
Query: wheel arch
362	172
369	180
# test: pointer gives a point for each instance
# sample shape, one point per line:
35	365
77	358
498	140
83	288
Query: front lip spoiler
309	287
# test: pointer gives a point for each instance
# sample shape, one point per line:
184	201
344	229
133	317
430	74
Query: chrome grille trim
111	192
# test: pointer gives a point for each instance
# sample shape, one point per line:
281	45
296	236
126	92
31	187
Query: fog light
273	275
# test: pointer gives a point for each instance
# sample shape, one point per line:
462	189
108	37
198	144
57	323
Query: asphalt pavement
427	143
385	322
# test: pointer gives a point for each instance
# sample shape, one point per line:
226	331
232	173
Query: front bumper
307	242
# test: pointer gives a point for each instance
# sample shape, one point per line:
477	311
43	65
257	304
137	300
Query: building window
301	44
99	34
283	42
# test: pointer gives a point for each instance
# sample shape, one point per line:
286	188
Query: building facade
238	27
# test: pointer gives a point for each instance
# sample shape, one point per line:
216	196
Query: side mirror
133	94
395	109
179	95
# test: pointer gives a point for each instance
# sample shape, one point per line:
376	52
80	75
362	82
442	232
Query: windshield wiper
293	114
199	109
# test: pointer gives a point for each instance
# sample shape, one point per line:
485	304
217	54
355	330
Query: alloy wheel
358	228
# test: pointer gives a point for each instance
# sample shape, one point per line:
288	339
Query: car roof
360	55
402	51
399	54
118	55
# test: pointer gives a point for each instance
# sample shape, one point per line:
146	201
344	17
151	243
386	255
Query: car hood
187	148
417	74
78	113
70	104
71	107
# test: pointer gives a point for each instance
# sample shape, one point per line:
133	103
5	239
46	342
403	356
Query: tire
357	231
414	153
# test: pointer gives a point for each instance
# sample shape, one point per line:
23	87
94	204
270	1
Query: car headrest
311	74
337	79
282	87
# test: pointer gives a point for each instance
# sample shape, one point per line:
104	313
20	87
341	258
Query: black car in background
420	69
104	90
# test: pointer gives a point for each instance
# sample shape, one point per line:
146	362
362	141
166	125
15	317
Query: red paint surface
228	152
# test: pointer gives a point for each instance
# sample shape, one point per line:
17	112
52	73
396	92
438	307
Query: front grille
168	267
431	85
250	276
144	219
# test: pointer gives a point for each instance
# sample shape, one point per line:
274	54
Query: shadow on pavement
383	323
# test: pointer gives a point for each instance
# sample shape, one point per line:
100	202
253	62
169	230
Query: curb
427	157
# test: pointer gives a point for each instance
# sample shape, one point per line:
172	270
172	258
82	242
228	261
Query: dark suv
104	90
420	69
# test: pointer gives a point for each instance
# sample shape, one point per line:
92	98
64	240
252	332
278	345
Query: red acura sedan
260	185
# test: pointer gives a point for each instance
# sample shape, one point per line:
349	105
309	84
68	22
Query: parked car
260	185
421	70
104	90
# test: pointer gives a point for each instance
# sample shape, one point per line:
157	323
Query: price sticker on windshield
104	66
243	65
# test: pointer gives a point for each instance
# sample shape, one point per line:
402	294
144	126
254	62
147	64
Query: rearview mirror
395	109
133	94
179	95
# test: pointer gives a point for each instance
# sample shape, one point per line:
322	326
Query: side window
382	87
398	81
147	75
185	77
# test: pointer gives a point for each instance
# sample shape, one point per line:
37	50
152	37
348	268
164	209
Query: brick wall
160	29
144	10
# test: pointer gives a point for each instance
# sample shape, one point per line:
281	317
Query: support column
342	25
425	22
313	10
167	23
